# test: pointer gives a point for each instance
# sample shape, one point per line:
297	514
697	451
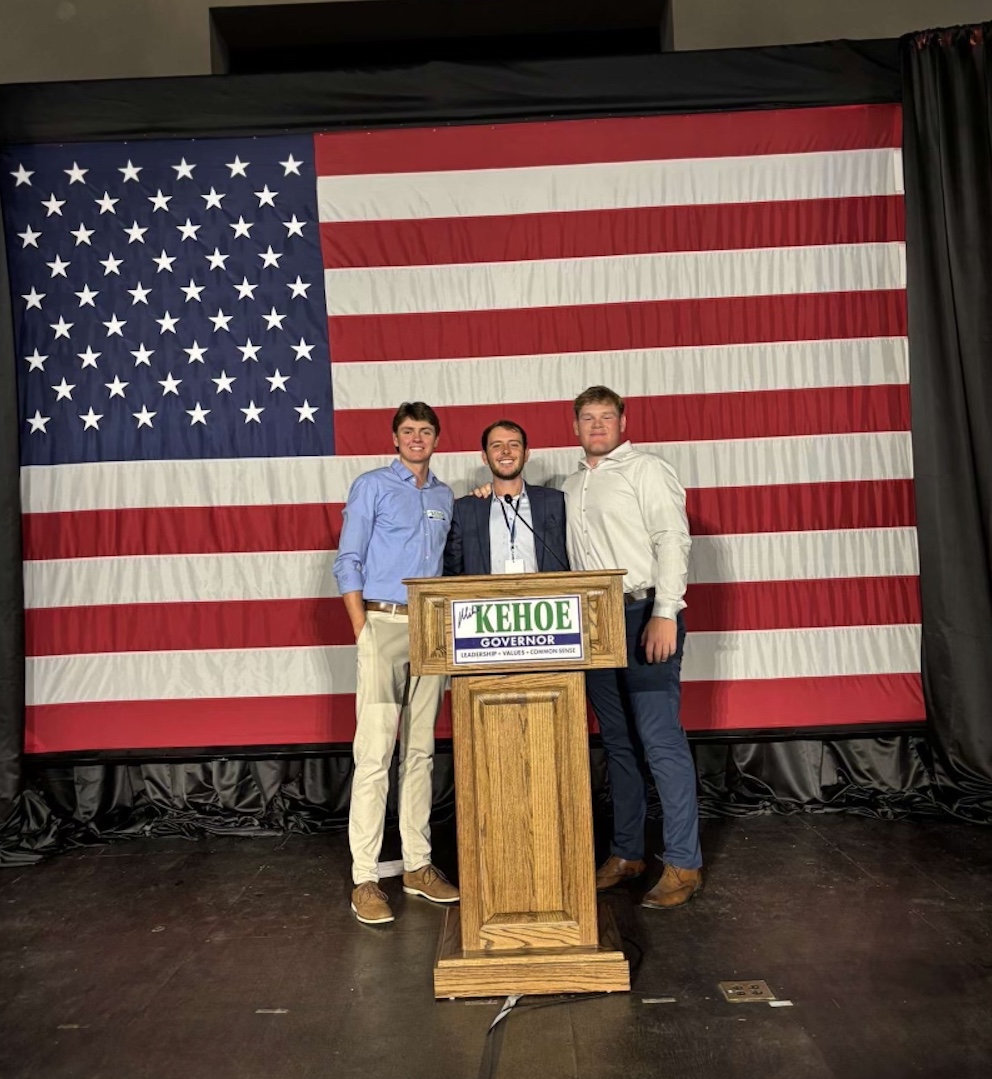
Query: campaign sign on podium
517	647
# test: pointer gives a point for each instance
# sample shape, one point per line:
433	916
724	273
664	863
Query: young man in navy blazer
520	528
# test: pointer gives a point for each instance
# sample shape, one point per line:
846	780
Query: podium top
528	622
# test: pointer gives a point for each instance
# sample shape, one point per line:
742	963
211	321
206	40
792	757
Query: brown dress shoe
616	869
369	903
430	883
677	886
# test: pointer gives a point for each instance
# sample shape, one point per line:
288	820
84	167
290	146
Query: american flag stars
200	253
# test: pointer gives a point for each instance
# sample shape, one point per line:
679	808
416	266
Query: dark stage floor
238	957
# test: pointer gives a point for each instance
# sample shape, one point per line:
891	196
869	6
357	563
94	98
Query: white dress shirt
509	539
629	513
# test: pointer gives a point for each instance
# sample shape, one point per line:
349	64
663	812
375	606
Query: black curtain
68	801
947	112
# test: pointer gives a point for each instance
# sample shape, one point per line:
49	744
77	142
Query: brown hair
598	395
509	425
419	411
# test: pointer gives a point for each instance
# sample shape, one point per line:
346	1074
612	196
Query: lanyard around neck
511	528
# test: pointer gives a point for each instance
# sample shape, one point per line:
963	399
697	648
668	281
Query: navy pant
638	712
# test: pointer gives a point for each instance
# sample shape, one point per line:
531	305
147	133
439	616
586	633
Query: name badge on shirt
513	565
436	515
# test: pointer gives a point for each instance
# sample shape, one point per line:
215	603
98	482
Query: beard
502	474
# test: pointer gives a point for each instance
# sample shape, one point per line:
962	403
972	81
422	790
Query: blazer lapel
537	506
482	508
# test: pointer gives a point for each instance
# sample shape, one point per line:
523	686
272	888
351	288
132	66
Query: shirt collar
624	450
522	497
408	477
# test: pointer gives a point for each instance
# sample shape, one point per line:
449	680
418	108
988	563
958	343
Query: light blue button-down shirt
508	538
392	529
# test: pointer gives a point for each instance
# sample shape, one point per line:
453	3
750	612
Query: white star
224	383
144	417
135	234
29	236
62	328
212	199
220	320
294	227
91	419
184	170
196	353
107	204
34	298
217	260
36	362
76	174
192	291
38	422
277	381
189	230
89	357
291	165
246	291
306	411
130	171
270	258
266	197
238	167
168	323
252	413
242	227
139	294
198	415
273	320
164	262
143	356
63	391
298	288
248	351
170	384
159	201
53	205
87	296
303	350
110	265
82	235
117	387
58	267
115	325
22	176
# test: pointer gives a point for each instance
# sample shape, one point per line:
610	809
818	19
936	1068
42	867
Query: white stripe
778	365
303	480
488	286
770	556
607	186
290	672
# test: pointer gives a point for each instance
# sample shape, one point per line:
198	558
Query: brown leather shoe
677	886
430	883
369	903
615	869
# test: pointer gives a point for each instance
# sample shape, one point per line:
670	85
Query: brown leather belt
386	608
638	596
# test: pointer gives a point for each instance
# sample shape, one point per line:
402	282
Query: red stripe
683	418
640	138
312	623
731	320
801	507
582	234
287	721
796	507
802	702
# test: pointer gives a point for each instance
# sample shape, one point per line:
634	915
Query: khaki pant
383	674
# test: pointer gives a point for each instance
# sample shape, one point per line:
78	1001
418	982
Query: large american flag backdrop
212	335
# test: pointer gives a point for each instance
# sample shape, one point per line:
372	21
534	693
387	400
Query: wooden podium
516	647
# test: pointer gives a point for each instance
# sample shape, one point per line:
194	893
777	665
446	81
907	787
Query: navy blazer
467	549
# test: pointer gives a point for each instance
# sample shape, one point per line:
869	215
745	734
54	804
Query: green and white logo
545	628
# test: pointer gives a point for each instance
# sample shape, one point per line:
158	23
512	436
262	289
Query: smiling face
600	428
415	442
505	454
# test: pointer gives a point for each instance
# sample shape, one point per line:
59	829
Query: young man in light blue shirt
396	521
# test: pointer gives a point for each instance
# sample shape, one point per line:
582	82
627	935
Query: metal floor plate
746	992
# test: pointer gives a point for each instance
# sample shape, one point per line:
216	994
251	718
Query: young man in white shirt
626	509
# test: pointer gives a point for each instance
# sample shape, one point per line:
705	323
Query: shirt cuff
664	609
